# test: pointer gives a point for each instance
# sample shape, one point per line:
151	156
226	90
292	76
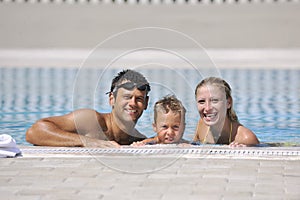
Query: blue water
266	101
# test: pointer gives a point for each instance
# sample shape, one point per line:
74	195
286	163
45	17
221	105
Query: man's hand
138	144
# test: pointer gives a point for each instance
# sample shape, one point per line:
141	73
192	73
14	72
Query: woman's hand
236	144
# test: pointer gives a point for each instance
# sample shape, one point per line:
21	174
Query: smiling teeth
132	111
210	115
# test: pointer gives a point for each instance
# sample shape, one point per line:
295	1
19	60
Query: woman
219	123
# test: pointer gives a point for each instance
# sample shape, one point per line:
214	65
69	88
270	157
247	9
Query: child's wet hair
169	103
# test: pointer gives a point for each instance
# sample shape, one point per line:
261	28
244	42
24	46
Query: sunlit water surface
266	101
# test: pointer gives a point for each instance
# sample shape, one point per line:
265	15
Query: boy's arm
145	141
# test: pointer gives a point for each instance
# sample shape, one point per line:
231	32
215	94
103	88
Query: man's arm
63	131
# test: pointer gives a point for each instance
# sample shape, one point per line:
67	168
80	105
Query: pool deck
248	35
245	25
155	172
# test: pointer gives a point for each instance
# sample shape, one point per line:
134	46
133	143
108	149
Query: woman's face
212	104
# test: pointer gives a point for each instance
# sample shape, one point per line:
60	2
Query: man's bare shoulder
85	111
76	115
90	117
90	113
138	135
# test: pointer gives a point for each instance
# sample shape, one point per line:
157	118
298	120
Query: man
128	98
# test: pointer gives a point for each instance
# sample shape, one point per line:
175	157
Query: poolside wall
249	25
253	33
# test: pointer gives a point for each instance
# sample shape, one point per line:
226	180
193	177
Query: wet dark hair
215	81
129	76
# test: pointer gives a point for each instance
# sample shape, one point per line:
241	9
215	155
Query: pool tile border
207	151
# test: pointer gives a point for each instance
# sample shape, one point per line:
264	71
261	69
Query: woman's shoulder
245	136
201	124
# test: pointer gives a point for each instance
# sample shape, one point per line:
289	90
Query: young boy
169	122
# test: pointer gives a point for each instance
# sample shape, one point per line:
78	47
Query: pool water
267	101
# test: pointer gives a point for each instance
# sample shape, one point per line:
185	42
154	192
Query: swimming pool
266	100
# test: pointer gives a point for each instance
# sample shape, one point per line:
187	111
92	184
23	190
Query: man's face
169	127
128	105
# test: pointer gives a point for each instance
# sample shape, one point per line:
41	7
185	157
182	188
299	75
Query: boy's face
169	127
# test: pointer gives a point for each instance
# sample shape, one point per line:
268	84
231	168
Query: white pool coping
202	151
222	58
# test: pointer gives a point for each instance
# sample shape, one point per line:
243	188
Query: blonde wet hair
169	103
222	84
